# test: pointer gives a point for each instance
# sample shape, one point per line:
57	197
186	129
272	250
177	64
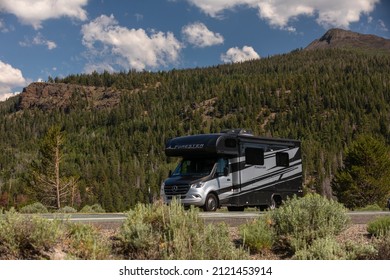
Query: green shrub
35	208
27	237
159	231
300	221
86	209
96	208
360	251
371	207
86	243
257	235
34	237
67	209
325	248
329	249
383	246
379	226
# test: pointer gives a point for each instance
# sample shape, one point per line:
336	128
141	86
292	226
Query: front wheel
211	203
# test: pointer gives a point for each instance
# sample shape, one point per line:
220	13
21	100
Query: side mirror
170	173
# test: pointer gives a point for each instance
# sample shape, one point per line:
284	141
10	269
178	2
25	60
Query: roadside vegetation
305	228
35	238
169	232
39	208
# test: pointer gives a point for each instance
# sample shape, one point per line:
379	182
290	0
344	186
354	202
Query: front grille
176	189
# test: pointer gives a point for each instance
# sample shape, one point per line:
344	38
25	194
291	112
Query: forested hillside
116	124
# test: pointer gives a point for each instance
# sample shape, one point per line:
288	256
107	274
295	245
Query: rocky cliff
49	96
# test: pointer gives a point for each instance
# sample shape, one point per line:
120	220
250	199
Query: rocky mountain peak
340	38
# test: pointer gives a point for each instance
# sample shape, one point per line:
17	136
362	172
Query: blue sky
42	38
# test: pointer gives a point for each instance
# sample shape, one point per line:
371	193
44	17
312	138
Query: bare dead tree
50	187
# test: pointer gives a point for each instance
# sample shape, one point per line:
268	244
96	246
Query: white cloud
139	17
129	48
200	36
279	13
382	26
239	55
215	8
3	28
34	12
10	77
5	96
39	40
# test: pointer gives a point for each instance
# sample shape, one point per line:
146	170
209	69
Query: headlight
197	185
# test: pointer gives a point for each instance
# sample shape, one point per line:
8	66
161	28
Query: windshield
194	167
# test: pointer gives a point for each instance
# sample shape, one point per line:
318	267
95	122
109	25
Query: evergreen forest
325	98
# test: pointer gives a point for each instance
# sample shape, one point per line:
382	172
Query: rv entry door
223	174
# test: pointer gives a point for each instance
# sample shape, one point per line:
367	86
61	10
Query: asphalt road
231	218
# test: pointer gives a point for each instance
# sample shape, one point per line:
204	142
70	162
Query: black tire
211	203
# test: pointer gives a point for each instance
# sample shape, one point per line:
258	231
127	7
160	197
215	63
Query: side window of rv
282	159
254	156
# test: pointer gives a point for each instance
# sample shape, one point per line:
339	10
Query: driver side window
222	164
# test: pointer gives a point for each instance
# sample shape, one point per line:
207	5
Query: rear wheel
211	203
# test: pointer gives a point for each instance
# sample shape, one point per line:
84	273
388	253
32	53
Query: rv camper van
234	169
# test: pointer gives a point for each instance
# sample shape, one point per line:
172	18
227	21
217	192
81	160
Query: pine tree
365	177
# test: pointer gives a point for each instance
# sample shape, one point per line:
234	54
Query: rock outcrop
50	96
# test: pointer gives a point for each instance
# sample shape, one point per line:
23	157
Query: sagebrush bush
159	231
67	209
379	226
326	248
300	221
329	248
258	235
35	208
382	244
27	237
86	243
96	208
371	207
360	251
33	237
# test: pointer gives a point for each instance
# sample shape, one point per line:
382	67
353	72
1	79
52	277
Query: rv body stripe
265	186
279	173
267	177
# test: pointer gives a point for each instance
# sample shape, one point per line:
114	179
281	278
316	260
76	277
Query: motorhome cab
233	169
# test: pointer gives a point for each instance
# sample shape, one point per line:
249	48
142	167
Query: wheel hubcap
211	204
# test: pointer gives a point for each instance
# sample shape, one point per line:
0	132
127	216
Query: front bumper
194	196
